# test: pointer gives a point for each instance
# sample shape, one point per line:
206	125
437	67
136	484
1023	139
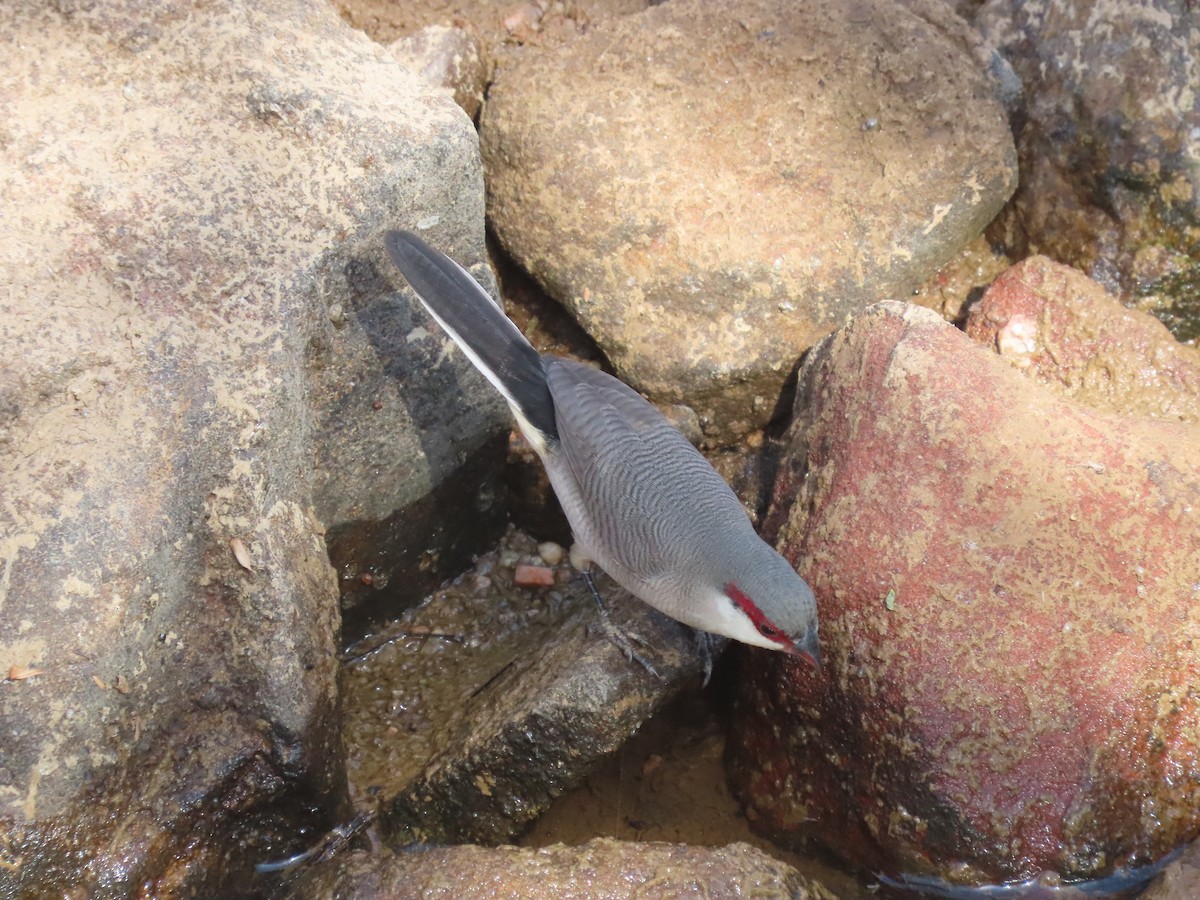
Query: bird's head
770	606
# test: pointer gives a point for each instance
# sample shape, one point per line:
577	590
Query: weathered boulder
602	869
203	369
1065	330
1109	136
1009	589
710	189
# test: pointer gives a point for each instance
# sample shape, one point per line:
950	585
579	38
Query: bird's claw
623	641
622	638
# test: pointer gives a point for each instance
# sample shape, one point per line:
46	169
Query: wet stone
491	701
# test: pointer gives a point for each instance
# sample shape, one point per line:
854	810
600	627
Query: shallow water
1126	883
668	784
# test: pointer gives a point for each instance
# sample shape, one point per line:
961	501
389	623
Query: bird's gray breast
648	501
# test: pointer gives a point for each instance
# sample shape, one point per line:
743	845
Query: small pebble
533	576
552	554
241	553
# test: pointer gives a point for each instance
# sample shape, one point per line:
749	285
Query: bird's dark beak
809	648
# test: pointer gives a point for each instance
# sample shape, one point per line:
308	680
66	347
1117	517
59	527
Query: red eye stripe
765	626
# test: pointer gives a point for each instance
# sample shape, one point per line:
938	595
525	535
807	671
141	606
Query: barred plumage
642	501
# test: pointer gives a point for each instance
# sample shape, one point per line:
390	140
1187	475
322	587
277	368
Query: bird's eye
768	631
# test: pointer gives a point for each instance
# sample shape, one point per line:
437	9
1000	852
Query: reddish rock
1008	585
1068	332
533	576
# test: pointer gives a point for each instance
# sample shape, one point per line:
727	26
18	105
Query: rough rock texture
738	180
962	281
1009	586
192	318
602	869
1109	139
452	58
1066	331
538	697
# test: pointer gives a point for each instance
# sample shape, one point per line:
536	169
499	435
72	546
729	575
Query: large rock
1065	330
192	317
1108	143
1009	586
710	189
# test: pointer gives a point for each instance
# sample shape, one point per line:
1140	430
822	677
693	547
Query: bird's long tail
477	324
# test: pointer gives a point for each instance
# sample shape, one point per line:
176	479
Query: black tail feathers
477	324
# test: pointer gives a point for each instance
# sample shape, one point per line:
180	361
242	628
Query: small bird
642	502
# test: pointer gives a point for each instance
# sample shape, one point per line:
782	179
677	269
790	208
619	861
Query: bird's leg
622	638
704	648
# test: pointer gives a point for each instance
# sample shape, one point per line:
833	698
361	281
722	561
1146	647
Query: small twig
330	843
483	687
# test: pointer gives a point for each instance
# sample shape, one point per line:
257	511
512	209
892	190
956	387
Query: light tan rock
199	349
710	189
602	869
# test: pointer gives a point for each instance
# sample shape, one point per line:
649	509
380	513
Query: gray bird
642	502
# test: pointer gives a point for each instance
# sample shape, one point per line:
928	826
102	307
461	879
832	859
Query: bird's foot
623	639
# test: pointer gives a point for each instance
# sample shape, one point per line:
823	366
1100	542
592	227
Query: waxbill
641	500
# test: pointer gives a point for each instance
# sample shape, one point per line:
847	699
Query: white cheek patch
734	623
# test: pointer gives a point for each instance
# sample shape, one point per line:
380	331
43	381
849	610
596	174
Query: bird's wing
646	490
